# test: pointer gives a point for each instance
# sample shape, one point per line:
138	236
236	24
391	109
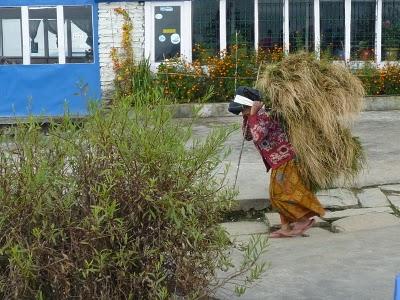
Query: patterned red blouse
269	138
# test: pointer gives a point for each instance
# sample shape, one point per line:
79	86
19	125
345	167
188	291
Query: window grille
301	25
362	29
205	26
240	17
270	24
332	23
391	30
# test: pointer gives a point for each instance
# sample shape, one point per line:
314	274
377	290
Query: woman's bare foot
284	231
281	233
302	226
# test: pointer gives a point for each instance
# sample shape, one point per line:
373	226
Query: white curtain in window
86	26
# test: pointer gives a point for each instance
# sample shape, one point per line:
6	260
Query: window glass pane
240	18
10	36
301	25
362	29
391	30
205	18
78	34
167	32
43	35
332	28
270	24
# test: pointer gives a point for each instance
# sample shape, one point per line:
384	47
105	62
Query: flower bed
384	81
187	82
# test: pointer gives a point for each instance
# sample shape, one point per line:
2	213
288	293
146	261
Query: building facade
49	57
56	53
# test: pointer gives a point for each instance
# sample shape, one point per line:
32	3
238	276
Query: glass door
168	30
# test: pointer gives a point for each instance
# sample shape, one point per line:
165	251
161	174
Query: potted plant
391	35
365	51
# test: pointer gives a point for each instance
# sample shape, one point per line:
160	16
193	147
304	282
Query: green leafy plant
127	206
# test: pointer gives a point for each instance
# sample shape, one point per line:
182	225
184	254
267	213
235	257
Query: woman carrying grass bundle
314	101
296	204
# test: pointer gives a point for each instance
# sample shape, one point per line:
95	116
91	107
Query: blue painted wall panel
45	89
44	2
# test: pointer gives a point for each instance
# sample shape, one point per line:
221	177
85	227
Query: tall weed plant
126	207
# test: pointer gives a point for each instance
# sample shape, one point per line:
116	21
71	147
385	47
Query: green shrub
125	207
370	77
390	80
383	81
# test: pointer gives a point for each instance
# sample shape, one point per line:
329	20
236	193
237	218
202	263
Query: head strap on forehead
243	100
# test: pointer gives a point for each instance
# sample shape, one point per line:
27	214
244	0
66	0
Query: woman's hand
257	105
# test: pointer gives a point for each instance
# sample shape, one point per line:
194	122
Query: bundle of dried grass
317	102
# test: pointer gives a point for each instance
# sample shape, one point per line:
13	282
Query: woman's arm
246	129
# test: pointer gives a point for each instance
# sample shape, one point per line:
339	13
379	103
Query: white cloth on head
243	100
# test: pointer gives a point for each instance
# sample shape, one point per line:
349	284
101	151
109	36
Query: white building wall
110	33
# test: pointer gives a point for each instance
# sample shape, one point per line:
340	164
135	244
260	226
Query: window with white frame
301	25
10	36
240	20
363	29
78	34
270	24
46	35
43	34
332	24
205	27
391	30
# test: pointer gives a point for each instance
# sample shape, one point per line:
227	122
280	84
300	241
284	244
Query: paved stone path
353	251
353	210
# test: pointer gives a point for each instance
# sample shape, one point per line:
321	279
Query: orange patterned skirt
290	196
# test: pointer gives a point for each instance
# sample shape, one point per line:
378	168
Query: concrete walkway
360	265
353	253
